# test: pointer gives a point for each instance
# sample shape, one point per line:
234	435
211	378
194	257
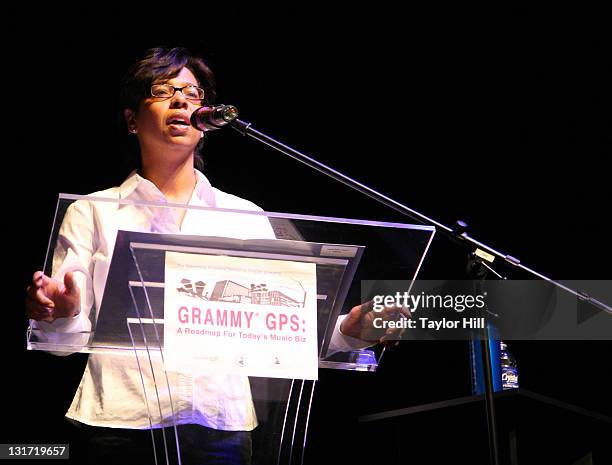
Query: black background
498	117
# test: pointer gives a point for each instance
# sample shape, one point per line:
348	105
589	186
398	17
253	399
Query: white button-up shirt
110	393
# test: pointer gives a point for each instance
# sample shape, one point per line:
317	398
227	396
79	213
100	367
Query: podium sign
240	315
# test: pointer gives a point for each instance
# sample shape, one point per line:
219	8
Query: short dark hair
162	63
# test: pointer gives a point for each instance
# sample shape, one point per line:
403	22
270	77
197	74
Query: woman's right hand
48	299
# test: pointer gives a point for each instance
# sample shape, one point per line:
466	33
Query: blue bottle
509	370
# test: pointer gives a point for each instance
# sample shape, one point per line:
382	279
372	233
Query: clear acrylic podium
127	315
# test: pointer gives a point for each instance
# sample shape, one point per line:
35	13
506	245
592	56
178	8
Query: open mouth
179	119
179	122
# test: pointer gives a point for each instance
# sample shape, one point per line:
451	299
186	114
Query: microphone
211	118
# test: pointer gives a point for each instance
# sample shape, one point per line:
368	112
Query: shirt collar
139	188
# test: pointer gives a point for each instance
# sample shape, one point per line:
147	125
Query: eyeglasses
190	92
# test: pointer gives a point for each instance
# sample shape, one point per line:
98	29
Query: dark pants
198	446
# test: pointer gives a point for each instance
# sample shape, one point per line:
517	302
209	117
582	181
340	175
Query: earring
133	130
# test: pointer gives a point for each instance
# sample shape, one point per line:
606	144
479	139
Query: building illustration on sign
230	291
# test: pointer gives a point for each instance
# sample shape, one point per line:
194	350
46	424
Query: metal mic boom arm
458	232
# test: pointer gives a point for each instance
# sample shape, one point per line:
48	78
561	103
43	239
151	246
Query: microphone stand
481	254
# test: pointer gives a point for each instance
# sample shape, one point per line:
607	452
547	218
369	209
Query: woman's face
163	124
